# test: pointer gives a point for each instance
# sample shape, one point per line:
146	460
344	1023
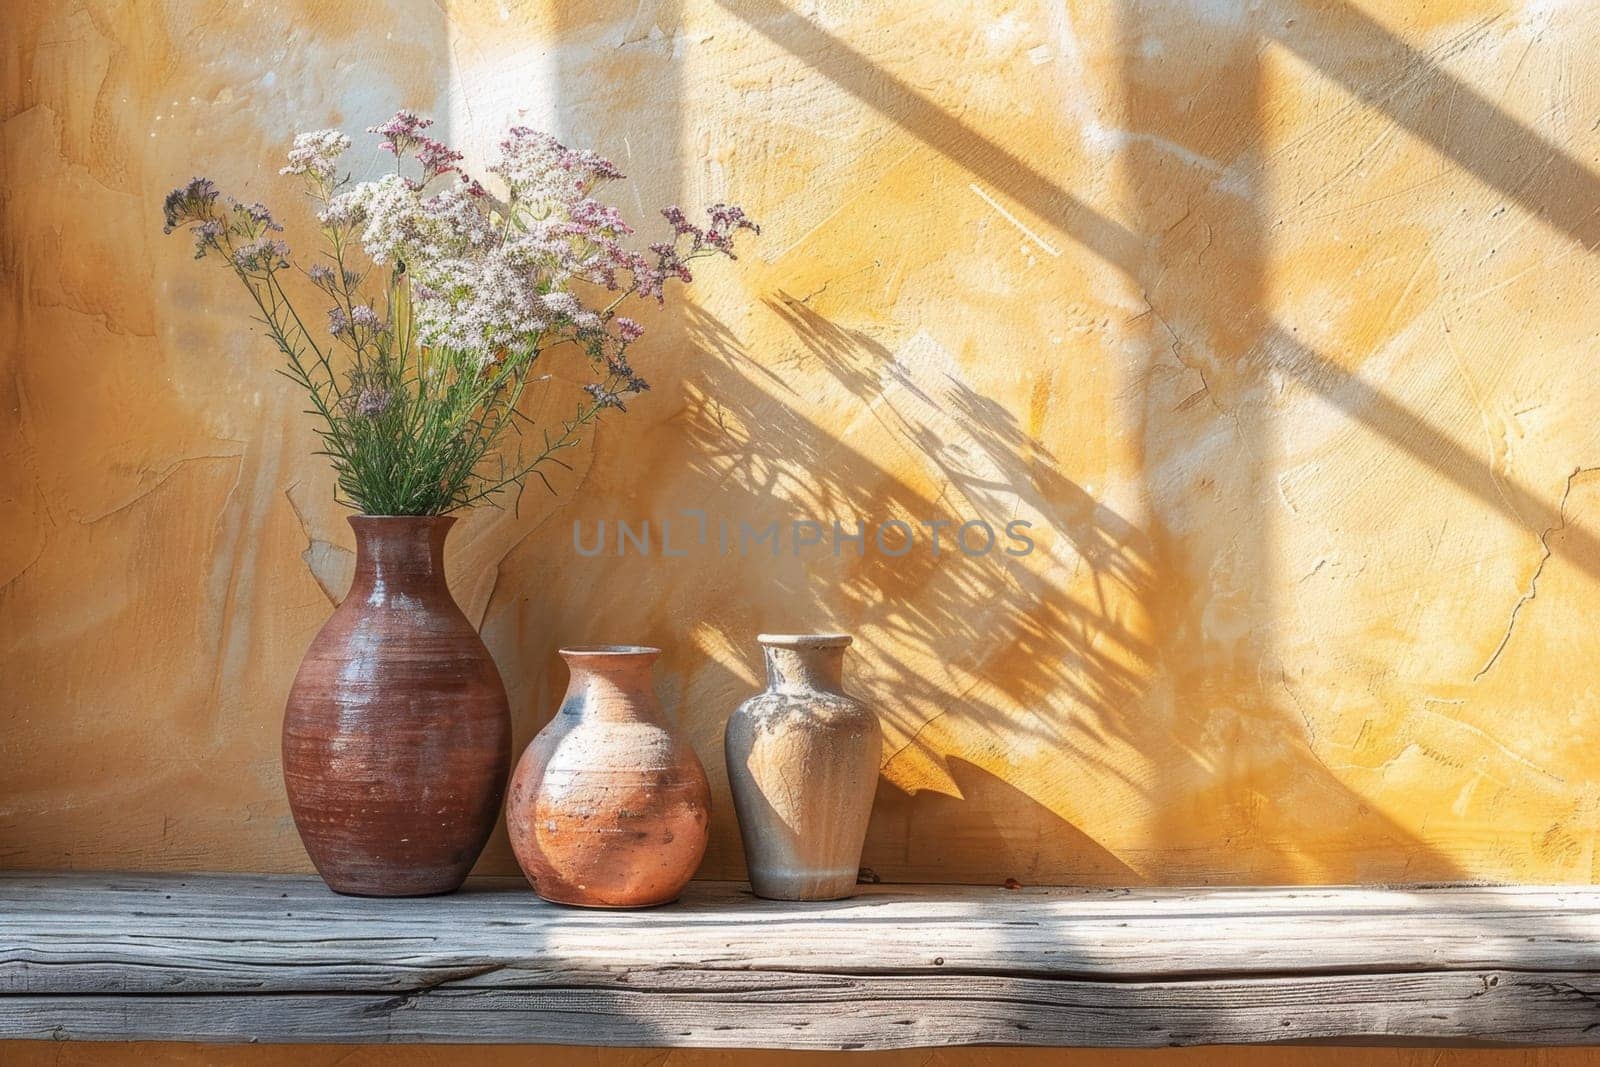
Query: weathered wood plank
878	1012
291	934
108	956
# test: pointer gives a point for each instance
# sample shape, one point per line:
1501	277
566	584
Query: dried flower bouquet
438	296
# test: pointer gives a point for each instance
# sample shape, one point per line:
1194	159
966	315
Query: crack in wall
161	479
1533	582
315	547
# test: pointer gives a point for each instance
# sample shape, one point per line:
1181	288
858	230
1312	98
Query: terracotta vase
397	737
803	763
608	805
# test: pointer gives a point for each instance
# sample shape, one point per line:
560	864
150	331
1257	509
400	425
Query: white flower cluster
316	153
512	294
485	274
539	169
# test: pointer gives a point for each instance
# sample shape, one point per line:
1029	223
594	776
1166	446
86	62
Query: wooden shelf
268	958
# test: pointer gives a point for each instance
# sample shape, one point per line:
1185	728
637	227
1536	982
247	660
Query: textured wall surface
1274	320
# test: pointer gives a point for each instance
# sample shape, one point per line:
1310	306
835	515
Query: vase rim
608	650
824	640
399	518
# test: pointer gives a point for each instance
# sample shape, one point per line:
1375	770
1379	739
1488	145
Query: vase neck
616	685
790	667
399	553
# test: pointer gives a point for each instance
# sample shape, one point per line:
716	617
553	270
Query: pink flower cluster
403	135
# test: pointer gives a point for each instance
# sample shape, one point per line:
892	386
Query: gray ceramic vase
803	763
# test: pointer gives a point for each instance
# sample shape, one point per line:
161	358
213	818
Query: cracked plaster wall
1275	320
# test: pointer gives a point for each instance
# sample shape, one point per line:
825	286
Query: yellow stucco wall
1274	320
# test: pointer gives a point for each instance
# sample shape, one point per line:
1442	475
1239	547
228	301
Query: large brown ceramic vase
397	737
608	805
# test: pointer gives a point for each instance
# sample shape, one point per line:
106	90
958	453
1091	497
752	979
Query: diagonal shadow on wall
1014	639
1061	648
1466	127
1261	344
1006	638
1500	151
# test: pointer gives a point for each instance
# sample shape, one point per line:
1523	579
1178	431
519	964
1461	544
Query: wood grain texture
229	958
174	1054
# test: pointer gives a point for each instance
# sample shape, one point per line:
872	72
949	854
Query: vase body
397	735
609	807
803	765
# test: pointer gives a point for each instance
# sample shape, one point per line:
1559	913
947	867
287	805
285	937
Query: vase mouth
608	651
355	520
834	640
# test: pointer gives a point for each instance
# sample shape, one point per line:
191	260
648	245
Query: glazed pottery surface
803	764
609	807
397	736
